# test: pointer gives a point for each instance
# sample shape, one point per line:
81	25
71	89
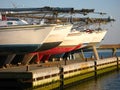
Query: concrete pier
49	77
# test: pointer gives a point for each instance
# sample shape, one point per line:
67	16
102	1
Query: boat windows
9	23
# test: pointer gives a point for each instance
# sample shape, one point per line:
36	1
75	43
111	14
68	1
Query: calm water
110	81
104	54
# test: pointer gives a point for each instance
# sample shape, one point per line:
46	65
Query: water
104	54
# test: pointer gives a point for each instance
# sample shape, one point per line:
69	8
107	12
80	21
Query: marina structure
56	77
53	37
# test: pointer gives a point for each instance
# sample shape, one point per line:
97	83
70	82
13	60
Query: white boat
18	36
84	38
30	38
76	40
53	40
93	37
4	22
21	39
56	36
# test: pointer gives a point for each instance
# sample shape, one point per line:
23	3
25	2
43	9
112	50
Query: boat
10	21
65	46
18	36
23	39
54	39
56	36
94	37
52	42
75	40
29	38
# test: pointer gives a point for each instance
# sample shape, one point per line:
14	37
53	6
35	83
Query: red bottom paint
44	55
59	50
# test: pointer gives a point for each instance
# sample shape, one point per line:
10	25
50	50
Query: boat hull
18	49
70	43
76	40
23	39
93	38
55	37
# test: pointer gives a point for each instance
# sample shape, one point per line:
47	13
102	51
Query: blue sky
109	6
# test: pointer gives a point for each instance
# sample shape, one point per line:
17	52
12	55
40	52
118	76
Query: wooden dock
50	77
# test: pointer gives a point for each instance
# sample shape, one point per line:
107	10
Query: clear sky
109	6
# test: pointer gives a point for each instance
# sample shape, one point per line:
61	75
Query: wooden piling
61	70
95	68
117	64
27	68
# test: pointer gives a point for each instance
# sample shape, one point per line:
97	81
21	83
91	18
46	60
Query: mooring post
95	68
117	64
61	73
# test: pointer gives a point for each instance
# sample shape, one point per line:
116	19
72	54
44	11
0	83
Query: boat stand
9	59
27	58
96	56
